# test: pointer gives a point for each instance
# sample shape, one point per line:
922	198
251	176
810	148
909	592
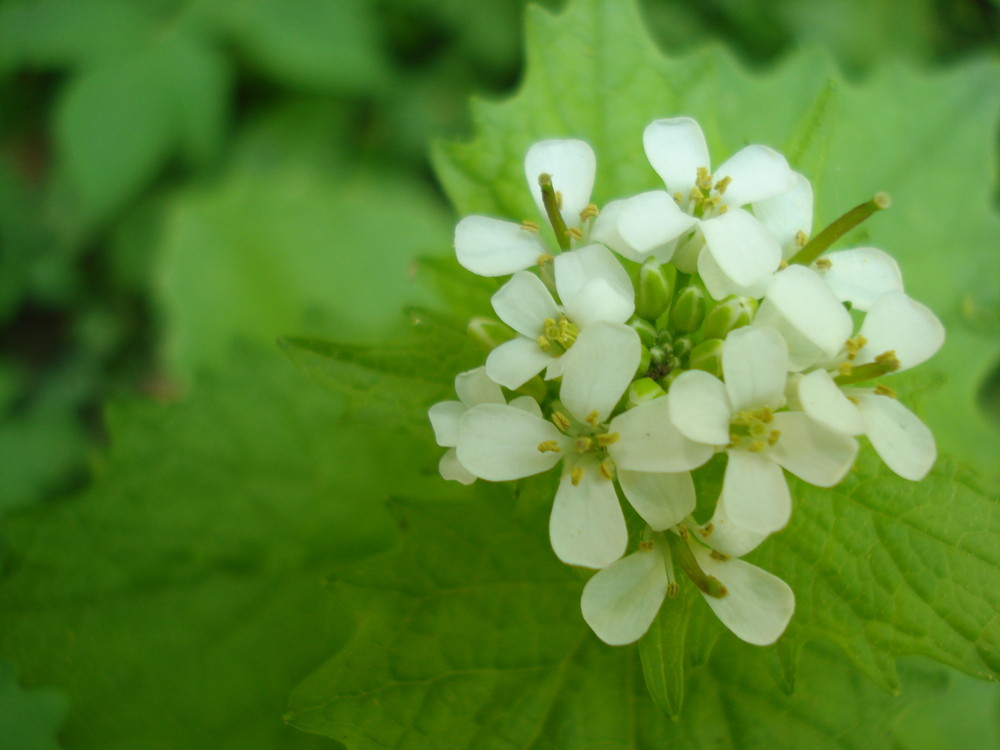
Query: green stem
872	370
551	203
709	585
839	228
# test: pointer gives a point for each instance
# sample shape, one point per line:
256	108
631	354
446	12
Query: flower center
590	443
751	430
557	335
705	198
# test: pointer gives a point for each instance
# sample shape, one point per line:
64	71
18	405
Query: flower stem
839	228
551	203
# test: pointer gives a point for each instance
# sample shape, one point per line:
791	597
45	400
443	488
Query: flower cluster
664	329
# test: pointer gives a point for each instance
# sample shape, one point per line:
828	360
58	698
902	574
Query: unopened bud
707	356
644	362
682	347
643	390
689	310
728	315
656	288
645	329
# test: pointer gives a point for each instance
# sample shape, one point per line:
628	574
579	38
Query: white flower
801	306
859	275
587	527
741	253
583	341
493	247
621	601
473	388
897	333
739	416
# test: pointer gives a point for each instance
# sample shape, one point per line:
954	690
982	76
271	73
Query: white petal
528	404
451	468
699	407
575	269
730	538
688	253
903	325
498	443
822	400
754	365
524	303
445	417
745	251
475	387
787	214
492	247
515	362
605	231
620	602
810	451
587	526
676	148
719	285
758	605
898	436
755	493
648	441
598	301
572	166
860	275
758	173
598	368
650	220
805	311
662	500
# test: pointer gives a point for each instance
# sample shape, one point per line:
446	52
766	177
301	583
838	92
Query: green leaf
594	73
293	247
179	600
469	635
29	719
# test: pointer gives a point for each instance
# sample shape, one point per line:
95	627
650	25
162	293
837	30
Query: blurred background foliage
180	175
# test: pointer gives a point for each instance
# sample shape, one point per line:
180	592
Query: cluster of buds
666	328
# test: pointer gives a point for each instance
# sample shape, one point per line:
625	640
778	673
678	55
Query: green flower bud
707	356
682	347
644	360
689	310
728	315
655	289
643	390
645	329
658	355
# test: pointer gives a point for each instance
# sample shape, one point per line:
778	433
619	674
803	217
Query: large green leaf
180	599
928	139
29	719
469	636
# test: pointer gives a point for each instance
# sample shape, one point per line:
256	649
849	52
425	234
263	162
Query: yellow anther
607	468
735	440
548	446
607	438
823	264
678	198
593	419
561	421
545	258
845	368
756	446
543	344
559	199
884	390
764	414
888	360
645	546
584	444
589	212
723	208
773	437
706	530
720	556
673	589
552	332
757	429
574	233
703	181
783	265
801	240
721	185
576	475
682	530
855	345
854	400
548	322
529	226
